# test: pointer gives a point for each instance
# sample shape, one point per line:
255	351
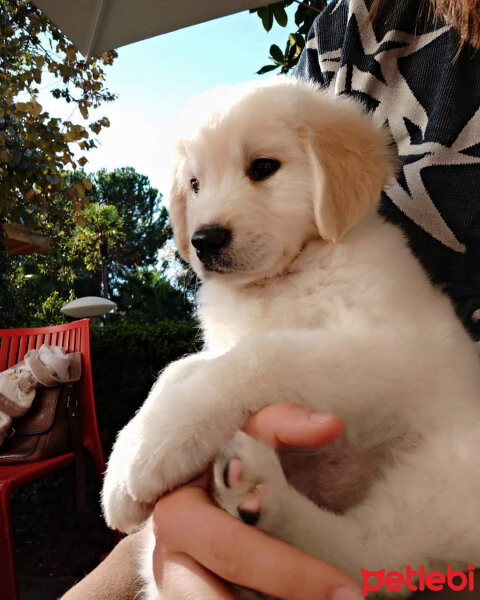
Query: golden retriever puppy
309	296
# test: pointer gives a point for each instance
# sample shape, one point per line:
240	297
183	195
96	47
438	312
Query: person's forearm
179	577
116	578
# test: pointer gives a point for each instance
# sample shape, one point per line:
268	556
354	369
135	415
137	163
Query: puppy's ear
351	159
178	216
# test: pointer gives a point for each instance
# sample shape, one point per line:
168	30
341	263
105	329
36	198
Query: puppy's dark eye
261	168
195	185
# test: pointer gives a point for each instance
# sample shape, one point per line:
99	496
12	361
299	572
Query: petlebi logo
418	580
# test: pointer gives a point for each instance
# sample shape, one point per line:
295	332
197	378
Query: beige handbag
47	367
45	431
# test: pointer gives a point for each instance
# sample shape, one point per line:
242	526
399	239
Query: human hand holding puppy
195	539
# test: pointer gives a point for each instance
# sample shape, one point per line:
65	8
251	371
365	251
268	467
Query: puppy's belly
338	477
335	478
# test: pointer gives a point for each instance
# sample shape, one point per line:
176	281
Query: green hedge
126	359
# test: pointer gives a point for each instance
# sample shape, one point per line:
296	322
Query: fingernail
347	593
317	417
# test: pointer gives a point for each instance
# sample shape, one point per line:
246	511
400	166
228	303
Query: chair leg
80	483
96	453
8	580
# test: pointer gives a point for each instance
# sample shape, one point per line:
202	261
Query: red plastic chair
14	343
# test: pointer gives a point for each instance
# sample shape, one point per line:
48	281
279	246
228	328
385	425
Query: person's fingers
179	577
288	424
186	521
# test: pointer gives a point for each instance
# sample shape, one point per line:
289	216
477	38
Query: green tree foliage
34	145
126	360
146	296
145	220
106	243
98	236
37	283
144	224
305	14
7	299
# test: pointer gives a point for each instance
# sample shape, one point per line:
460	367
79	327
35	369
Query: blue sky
155	78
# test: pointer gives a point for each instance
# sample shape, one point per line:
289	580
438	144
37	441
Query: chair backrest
15	343
74	337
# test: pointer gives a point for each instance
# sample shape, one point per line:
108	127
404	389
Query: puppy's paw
175	442
121	511
157	467
250	484
166	444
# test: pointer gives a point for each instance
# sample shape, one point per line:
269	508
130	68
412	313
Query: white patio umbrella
95	26
88	306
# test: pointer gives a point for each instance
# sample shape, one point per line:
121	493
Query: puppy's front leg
121	509
184	423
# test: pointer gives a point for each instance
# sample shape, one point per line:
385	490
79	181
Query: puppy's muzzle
209	241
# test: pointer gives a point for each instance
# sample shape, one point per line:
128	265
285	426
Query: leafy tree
146	295
37	281
97	237
107	243
34	145
145	225
305	14
7	299
145	220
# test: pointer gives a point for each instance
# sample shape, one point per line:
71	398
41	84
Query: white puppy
310	297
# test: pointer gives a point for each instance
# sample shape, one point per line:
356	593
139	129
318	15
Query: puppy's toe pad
250	517
249	481
232	474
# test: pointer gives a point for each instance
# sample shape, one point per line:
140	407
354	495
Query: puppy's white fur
318	301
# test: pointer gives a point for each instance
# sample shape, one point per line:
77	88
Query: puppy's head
266	168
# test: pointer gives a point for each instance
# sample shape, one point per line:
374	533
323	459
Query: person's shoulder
326	35
331	23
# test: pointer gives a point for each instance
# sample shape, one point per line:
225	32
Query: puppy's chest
228	316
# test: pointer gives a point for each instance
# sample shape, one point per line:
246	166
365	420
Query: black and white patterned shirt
406	71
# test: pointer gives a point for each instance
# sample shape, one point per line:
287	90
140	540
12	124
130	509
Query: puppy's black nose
210	240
